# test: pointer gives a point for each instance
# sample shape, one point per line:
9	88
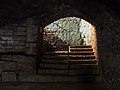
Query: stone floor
53	86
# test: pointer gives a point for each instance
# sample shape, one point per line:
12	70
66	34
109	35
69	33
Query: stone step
56	57
53	71
68	66
54	66
90	61
81	53
66	78
54	61
68	72
81	46
80	61
83	66
84	72
70	53
66	57
43	77
79	57
81	49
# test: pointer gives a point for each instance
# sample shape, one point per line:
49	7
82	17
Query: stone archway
100	20
64	30
67	11
49	18
103	14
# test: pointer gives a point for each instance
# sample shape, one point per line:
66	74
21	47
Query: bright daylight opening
70	42
69	31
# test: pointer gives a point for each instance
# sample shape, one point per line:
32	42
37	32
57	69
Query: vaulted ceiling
16	10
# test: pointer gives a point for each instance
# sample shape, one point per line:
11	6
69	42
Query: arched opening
101	13
68	44
71	30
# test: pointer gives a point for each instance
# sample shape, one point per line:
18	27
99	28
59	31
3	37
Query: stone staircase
79	61
79	64
15	67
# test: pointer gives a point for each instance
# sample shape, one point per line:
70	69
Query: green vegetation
73	30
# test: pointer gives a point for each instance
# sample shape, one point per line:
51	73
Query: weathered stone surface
103	14
32	32
19	38
19	33
6	38
6	57
8	76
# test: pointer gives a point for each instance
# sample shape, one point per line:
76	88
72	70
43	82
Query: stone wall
21	40
18	51
13	38
108	35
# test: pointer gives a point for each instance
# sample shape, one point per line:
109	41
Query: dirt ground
53	86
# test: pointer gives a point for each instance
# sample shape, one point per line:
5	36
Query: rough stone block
1	32
31	48
31	51
2	50
10	65
26	65
21	29
8	76
20	47
6	38
8	33
15	43
6	57
32	33
1	66
16	51
19	38
20	33
3	42
7	47
30	21
22	58
30	44
10	42
27	76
